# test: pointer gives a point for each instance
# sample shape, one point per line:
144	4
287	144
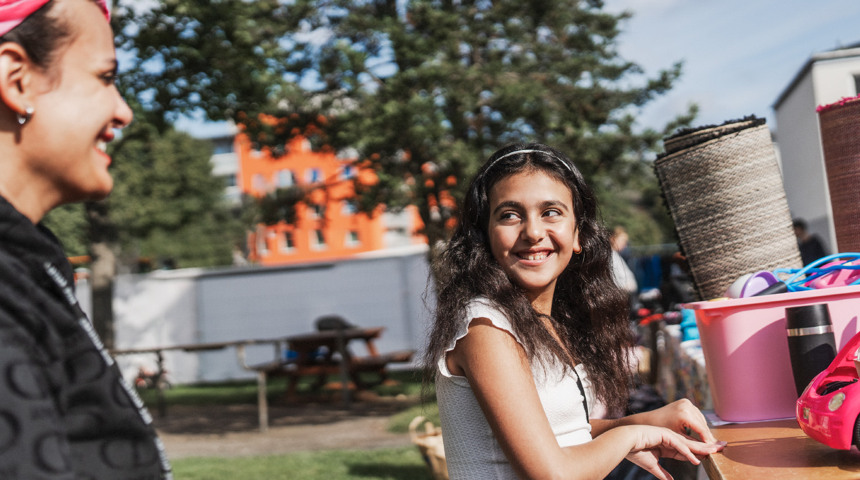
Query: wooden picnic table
324	353
319	354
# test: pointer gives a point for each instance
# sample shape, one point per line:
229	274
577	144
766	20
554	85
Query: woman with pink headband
65	410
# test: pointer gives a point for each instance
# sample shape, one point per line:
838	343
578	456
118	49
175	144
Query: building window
347	172
288	244
271	240
262	245
314	175
349	207
258	182
318	239
352	239
229	180
317	210
224	145
857	84
286	178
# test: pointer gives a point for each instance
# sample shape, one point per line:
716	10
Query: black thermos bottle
811	344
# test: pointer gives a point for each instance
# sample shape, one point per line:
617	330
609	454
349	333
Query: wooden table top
197	347
332	335
321	337
777	449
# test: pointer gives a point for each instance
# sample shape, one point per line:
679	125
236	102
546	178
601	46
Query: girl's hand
680	416
653	443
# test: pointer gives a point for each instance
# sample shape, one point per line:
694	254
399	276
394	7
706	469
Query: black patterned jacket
65	412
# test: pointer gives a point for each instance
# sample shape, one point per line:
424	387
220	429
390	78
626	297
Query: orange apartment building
328	224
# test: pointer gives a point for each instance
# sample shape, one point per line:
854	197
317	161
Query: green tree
69	224
215	57
423	90
167	203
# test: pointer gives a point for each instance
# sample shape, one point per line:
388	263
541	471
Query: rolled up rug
839	123
723	188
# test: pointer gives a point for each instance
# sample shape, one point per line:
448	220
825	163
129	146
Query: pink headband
13	12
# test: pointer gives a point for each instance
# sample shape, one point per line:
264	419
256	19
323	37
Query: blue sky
739	55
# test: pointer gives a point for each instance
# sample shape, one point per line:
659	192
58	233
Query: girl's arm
680	416
498	371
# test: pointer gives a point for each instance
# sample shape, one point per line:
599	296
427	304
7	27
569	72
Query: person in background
530	330
65	410
621	244
624	277
811	247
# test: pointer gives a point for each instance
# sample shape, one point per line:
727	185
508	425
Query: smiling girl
531	332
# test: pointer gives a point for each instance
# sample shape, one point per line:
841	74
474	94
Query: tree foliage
422	90
166	206
218	57
69	224
167	203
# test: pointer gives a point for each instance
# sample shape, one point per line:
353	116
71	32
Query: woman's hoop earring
25	117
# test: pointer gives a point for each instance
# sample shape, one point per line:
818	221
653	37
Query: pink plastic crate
746	349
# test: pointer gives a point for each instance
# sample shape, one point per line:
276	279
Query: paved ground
230	431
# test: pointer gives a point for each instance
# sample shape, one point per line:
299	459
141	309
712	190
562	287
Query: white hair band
566	165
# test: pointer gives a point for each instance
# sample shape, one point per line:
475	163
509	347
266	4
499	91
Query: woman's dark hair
41	35
590	312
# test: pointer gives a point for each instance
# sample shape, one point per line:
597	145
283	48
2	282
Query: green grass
222	393
384	464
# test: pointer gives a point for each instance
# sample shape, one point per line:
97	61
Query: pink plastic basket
746	349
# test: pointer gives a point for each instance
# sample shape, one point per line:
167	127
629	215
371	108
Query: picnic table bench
325	353
318	354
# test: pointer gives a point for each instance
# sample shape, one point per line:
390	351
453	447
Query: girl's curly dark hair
589	311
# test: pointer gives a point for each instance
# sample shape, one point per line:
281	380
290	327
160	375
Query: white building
225	162
192	306
825	78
